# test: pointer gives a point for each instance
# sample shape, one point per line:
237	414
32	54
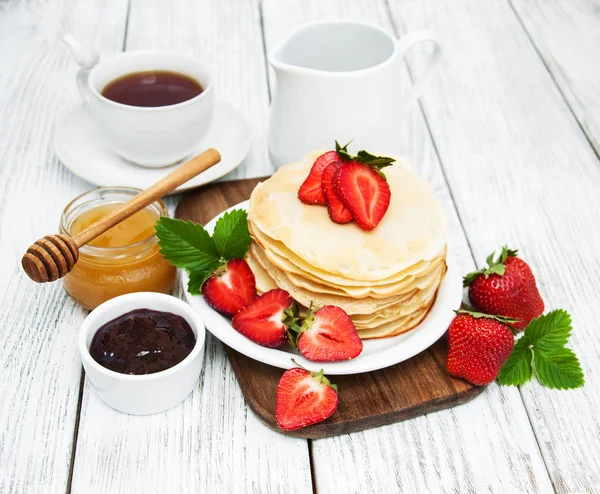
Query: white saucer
376	354
82	149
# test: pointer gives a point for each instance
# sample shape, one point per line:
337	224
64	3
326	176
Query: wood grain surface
212	443
567	36
39	365
504	135
418	386
479	446
522	172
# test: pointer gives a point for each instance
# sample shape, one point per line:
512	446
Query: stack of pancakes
385	279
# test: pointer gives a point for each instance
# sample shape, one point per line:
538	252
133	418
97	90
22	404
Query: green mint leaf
231	235
517	368
558	369
197	279
551	331
186	244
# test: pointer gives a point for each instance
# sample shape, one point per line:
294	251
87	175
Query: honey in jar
122	260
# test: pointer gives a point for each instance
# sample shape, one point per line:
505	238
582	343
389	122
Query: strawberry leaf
186	244
517	368
550	331
198	278
558	369
479	315
493	266
341	149
366	158
231	235
541	352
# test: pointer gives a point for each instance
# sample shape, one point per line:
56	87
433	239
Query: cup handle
83	76
406	43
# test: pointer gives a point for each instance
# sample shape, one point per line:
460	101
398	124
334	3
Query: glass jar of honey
124	259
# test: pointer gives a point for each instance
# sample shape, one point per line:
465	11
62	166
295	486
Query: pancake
413	229
395	328
310	283
385	279
288	261
363	305
264	282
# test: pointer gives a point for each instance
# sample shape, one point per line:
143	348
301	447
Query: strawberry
310	191
478	346
230	288
304	398
336	209
328	335
263	319
507	288
364	191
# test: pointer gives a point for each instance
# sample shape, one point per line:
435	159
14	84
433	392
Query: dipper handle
54	256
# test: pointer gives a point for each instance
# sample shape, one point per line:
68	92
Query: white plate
376	354
82	149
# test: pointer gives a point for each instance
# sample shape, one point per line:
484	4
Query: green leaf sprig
494	266
541	352
189	246
364	157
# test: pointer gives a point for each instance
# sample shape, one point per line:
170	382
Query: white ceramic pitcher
341	81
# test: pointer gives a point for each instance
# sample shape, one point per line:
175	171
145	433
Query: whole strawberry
506	287
478	346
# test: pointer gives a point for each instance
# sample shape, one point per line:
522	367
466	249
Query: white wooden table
508	133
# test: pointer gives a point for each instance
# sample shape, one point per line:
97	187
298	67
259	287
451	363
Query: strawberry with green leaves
506	287
215	263
352	187
304	398
478	346
481	348
362	187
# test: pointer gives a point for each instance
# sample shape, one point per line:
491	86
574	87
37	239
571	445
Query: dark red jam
143	341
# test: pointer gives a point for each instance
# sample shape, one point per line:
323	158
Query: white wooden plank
487	444
226	36
567	34
212	442
522	172
40	368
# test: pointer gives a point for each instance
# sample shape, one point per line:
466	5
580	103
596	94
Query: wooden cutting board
415	387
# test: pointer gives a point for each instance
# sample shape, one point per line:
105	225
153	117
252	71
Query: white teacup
148	136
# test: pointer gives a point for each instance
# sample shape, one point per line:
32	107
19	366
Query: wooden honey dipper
53	256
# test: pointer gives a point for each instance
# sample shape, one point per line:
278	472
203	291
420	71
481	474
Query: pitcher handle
83	76
404	44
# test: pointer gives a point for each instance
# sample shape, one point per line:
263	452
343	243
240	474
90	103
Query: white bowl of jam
142	352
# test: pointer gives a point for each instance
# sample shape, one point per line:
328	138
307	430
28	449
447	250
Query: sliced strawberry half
230	288
310	191
304	398
364	192
329	335
335	208
263	319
